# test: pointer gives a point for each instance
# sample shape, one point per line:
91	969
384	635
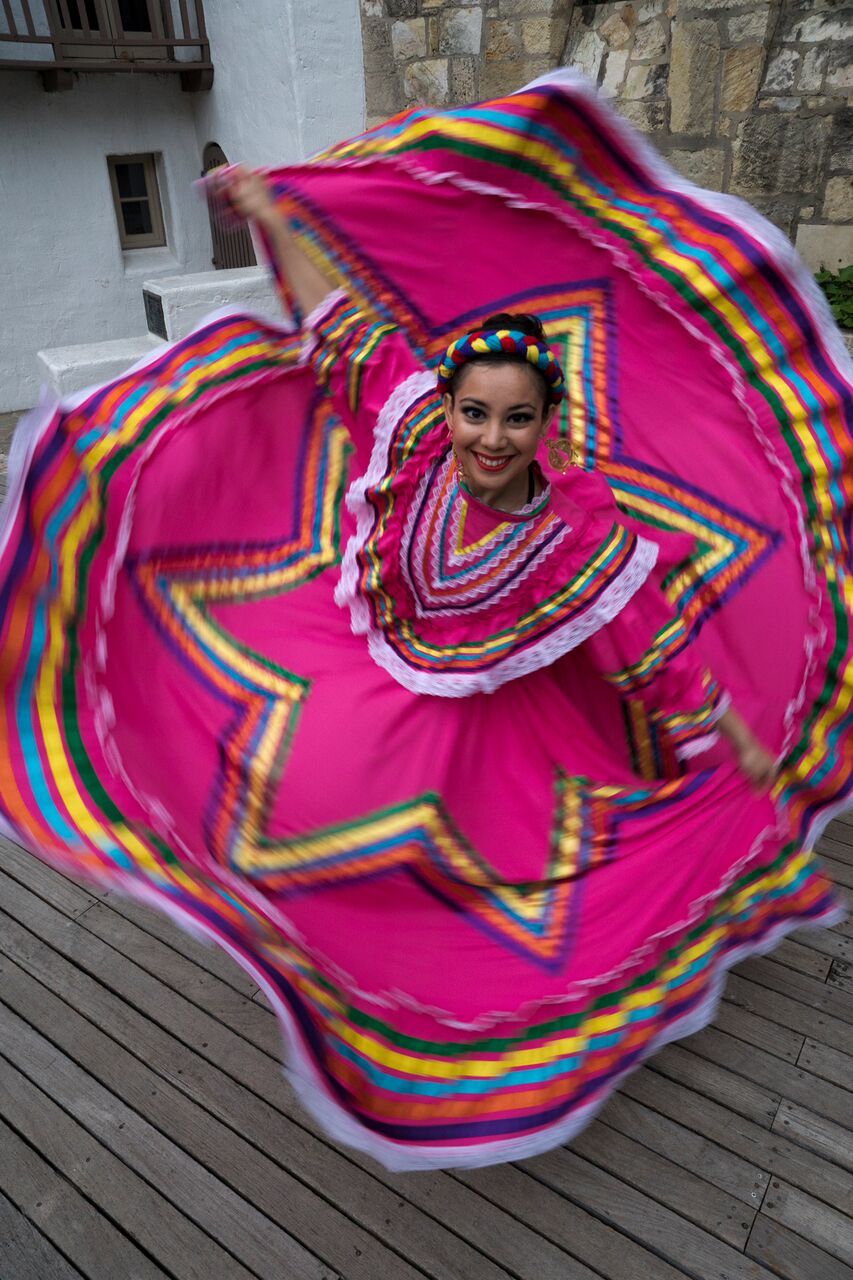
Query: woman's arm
754	759
647	654
250	196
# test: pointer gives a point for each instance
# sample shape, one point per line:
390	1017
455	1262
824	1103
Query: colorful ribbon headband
511	342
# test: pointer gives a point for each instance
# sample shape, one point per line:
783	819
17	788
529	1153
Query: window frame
156	237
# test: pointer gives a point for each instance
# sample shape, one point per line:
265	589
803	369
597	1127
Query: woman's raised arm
250	197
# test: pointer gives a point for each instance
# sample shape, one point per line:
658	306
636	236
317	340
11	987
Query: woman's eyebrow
481	404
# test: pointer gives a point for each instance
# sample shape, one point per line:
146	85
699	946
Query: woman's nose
493	433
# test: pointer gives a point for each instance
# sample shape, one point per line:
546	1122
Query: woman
308	652
500	387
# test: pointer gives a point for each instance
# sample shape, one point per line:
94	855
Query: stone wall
446	51
755	98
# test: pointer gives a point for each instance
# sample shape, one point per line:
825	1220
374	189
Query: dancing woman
310	637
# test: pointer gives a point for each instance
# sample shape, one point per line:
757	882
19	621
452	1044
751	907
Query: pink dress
443	779
455	597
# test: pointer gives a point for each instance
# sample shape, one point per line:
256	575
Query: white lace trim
561	641
347	594
696	746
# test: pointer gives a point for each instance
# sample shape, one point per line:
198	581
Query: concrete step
175	305
71	369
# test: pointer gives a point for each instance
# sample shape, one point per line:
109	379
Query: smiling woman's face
497	416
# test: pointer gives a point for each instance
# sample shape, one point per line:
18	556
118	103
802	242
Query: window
137	201
134	16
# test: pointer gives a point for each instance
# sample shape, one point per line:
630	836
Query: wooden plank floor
146	1130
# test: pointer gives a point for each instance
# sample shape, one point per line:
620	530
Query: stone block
614	72
375	36
500	77
646	80
463	80
461	31
749	26
637	82
426	83
827	246
838	199
537	35
650	9
402	8
648	117
782	71
820	27
650	40
526	8
784	214
408	38
372	8
780	103
742	70
585	53
503	40
693	70
532	68
841	140
812	67
839	72
616	30
779	154
709	5
704	167
383	93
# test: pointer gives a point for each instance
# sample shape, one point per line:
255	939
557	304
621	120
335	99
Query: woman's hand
248	195
758	765
754	759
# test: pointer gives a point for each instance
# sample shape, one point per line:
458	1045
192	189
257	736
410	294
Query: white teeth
492	464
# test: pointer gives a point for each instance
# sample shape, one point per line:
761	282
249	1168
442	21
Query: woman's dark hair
521	322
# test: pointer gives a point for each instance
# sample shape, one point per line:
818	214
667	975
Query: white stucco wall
63	275
288	78
288	81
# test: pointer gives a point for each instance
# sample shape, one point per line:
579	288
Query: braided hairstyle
521	322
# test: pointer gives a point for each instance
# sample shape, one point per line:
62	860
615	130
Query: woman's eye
474	414
521	419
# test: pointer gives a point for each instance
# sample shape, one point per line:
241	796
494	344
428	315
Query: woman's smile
490	462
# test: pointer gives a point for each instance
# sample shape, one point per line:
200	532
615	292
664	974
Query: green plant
838	287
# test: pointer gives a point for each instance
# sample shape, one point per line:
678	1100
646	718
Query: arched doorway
232	245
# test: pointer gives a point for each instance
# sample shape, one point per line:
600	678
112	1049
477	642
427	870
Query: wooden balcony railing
58	37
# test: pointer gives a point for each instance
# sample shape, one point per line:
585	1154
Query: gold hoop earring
561	453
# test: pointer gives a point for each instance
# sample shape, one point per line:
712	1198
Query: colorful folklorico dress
445	779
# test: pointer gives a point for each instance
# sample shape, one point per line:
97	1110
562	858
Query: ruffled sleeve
360	360
646	653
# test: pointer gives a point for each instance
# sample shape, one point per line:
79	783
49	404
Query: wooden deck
147	1131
